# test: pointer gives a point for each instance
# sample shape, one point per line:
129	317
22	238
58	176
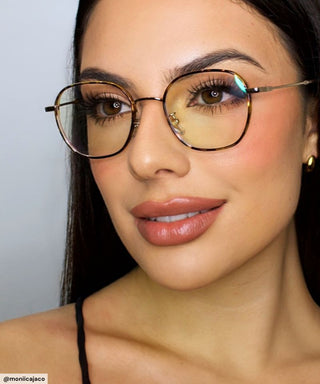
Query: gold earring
311	163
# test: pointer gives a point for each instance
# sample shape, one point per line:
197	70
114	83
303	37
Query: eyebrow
198	64
213	58
101	75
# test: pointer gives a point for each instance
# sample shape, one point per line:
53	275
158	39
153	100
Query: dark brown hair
95	256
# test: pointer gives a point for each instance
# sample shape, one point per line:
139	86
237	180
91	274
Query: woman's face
253	186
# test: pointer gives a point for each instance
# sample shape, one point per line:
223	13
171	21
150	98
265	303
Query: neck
253	314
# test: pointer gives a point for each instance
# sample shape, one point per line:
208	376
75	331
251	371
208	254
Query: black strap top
81	342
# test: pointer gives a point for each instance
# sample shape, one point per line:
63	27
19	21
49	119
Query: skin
230	306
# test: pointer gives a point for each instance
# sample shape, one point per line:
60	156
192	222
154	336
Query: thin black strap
81	342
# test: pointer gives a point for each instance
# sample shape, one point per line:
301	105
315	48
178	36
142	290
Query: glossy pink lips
176	221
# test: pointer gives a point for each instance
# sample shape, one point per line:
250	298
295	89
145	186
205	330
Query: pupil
112	108
211	96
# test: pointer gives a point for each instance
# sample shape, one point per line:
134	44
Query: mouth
177	221
174	218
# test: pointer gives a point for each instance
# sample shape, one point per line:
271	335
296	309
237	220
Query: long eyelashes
93	106
208	96
215	95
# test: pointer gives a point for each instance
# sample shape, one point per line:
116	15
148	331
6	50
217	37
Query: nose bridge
152	153
138	112
136	101
172	119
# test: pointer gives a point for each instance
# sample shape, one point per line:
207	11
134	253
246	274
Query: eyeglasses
206	110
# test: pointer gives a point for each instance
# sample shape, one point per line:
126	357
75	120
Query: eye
105	107
112	107
216	95
210	96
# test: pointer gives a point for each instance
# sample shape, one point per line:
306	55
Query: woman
203	193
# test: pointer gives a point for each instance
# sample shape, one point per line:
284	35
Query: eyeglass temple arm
268	89
52	108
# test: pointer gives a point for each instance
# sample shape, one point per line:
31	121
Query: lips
172	218
176	221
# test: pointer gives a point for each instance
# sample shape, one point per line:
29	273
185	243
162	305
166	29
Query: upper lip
175	206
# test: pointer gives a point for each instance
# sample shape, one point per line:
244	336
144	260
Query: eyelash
91	102
222	86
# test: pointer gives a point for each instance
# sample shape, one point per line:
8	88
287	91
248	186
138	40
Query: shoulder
43	343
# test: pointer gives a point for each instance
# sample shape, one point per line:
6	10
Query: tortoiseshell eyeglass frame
171	119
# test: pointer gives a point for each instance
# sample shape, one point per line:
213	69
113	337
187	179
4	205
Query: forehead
132	37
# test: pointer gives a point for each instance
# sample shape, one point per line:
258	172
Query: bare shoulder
42	343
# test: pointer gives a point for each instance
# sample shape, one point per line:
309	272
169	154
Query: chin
185	272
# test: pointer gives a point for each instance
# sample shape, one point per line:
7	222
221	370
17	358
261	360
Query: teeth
170	219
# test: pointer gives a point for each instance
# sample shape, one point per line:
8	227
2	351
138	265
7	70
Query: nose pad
155	153
136	121
135	126
175	122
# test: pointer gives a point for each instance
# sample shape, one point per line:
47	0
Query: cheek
107	174
267	163
274	141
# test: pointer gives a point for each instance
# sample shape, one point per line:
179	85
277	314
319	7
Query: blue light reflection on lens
240	84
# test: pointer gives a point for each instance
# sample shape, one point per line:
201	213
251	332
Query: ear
311	134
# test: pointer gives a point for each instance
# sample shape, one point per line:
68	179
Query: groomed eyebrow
198	64
101	75
213	58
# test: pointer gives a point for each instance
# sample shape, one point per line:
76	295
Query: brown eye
211	96
109	108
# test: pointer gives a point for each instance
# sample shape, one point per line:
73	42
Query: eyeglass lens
205	110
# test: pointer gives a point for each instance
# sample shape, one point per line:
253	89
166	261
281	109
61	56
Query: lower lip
177	232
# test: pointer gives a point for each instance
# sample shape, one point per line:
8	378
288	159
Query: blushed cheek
267	163
274	140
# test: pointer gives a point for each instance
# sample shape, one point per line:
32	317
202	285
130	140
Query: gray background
35	63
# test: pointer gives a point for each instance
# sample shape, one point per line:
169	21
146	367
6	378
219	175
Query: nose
154	152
